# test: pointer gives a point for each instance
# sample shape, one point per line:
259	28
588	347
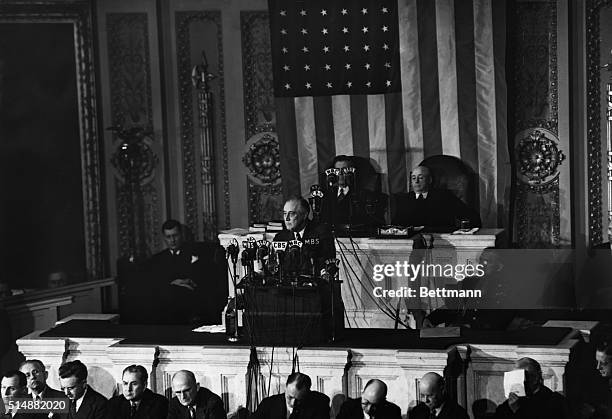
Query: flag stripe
378	137
307	143
359	124
447	77
395	143
466	81
485	105
324	128
288	145
430	92
341	109
411	87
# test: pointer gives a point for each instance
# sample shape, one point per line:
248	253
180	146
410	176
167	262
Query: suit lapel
85	407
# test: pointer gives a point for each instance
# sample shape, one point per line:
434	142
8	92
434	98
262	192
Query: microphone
279	250
233	250
349	176
311	247
294	256
331	177
315	199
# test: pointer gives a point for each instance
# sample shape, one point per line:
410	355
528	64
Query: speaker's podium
292	315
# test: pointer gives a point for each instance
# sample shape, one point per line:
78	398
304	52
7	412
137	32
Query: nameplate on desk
441	332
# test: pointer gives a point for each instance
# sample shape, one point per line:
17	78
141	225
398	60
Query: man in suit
435	209
435	402
179	273
345	203
137	401
539	401
372	404
14	390
192	401
318	243
298	402
85	402
37	376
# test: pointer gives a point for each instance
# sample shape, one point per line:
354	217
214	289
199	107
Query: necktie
133	408
298	236
72	413
421	197
192	411
341	195
432	414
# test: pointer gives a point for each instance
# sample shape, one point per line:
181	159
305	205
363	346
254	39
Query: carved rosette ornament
538	157
262	158
134	159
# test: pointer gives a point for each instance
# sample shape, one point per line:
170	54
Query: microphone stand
232	251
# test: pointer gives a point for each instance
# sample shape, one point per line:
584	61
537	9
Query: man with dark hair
85	402
372	404
191	401
37	376
346	203
436	209
14	390
137	401
298	402
435	402
190	279
539	401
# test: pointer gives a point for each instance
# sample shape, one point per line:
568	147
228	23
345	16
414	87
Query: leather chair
449	172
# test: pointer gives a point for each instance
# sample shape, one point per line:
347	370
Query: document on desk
514	382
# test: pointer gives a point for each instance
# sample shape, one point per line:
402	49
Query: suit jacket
439	211
93	406
314	406
321	252
545	404
51	393
351	409
152	406
208	406
361	207
450	410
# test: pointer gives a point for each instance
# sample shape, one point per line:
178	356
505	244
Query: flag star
327	67
303	12
287	86
304	31
347	48
344	12
364	11
283	13
308	85
347	66
367	66
388	64
285	50
349	84
385	28
283	31
369	84
306	67
388	83
329	85
323	12
286	67
385	10
364	29
385	47
305	49
326	49
324	31
366	47
345	30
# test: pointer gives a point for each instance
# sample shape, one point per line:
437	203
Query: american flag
394	81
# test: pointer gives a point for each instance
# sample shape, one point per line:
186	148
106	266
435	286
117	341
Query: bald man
435	402
372	404
539	401
436	209
192	401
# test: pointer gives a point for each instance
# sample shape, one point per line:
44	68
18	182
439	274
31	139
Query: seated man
37	376
436	209
189	279
317	239
193	401
137	401
298	402
345	204
539	401
85	402
372	404
14	390
435	401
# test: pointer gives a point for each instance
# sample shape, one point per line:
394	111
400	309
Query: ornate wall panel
261	157
535	124
198	32
129	66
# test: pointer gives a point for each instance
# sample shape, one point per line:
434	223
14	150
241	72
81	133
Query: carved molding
79	14
187	118
594	155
